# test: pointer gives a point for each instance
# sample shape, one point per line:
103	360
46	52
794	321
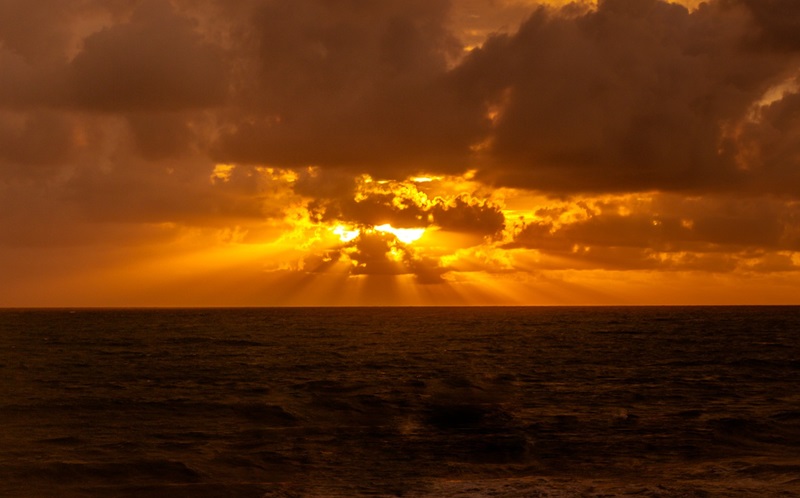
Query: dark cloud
35	30
467	214
156	61
400	204
768	147
778	22
29	86
160	135
378	253
39	138
136	191
669	224
325	183
370	253
772	262
632	96
354	84
116	113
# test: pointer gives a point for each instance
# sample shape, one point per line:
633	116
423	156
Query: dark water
401	402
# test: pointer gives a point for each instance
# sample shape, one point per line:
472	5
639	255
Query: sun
404	235
345	234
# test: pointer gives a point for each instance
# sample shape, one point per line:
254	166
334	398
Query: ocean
412	402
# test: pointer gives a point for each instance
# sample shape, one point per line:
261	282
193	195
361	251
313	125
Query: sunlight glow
405	235
344	234
776	93
222	173
425	179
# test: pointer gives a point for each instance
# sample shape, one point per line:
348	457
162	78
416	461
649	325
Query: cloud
468	214
670	223
36	30
521	137
160	135
632	96
778	22
378	253
402	204
767	146
354	85
666	232
36	139
155	61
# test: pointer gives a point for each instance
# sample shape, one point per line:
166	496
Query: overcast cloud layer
652	135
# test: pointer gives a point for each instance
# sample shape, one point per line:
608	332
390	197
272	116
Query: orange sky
402	152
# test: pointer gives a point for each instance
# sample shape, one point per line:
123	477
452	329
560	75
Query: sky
399	152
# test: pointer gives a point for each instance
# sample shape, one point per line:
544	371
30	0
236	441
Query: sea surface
413	402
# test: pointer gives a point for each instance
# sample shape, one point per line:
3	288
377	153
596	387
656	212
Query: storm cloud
617	134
